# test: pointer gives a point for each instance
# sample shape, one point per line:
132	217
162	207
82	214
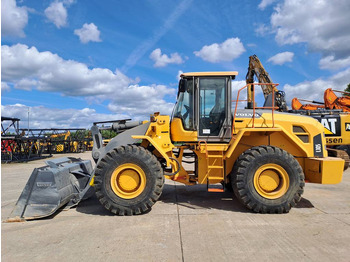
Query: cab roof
229	73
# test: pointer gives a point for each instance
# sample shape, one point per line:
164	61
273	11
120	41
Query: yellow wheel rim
128	181
271	181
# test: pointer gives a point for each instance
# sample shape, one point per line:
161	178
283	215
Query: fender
125	138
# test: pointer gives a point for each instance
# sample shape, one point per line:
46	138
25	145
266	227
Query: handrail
254	107
206	147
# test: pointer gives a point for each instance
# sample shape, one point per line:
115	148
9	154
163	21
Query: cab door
214	123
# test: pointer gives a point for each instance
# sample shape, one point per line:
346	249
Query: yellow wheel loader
264	155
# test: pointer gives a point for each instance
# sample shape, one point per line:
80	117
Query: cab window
212	104
184	108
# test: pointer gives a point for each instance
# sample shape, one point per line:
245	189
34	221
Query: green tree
108	134
348	90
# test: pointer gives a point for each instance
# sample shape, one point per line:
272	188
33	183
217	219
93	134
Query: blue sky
73	62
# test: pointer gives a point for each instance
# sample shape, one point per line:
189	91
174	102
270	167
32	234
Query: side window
212	104
184	107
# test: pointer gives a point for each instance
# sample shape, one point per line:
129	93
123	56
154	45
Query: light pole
28	122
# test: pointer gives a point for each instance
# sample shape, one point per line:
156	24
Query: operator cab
203	107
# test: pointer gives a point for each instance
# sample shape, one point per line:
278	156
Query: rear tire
267	179
128	180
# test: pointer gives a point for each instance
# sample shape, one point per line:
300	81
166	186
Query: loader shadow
92	206
198	198
304	203
195	198
188	197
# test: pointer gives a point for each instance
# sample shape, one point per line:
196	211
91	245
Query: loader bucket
63	182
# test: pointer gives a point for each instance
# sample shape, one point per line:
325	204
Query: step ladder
215	168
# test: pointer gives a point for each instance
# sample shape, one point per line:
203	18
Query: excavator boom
256	69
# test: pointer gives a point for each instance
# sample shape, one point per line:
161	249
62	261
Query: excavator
256	69
270	90
59	146
263	155
331	101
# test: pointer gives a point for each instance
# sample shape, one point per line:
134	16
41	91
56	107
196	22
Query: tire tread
106	164
239	183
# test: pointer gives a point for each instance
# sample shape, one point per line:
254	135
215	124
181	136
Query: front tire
128	180
267	179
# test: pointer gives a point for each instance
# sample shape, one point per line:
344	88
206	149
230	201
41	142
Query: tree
108	134
347	90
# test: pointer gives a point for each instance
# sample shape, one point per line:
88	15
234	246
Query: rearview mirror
182	85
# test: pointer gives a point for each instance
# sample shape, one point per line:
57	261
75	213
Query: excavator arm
297	105
65	134
332	101
256	69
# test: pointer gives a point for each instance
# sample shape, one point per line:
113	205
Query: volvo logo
43	184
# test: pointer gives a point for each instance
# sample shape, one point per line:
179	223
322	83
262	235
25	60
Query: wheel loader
263	155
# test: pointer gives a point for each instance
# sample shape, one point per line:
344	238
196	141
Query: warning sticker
206	131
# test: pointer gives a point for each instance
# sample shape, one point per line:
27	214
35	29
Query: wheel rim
271	181
128	181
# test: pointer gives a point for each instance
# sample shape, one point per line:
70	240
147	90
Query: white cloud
89	32
13	18
238	84
26	84
148	44
28	68
5	87
45	117
323	25
143	100
54	74
313	90
226	51
281	58
161	60
264	3
262	30
329	62
68	2
57	14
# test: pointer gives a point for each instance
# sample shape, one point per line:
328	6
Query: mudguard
124	138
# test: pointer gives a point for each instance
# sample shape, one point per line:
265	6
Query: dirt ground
186	224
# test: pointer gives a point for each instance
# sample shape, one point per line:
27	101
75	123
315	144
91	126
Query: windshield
184	106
